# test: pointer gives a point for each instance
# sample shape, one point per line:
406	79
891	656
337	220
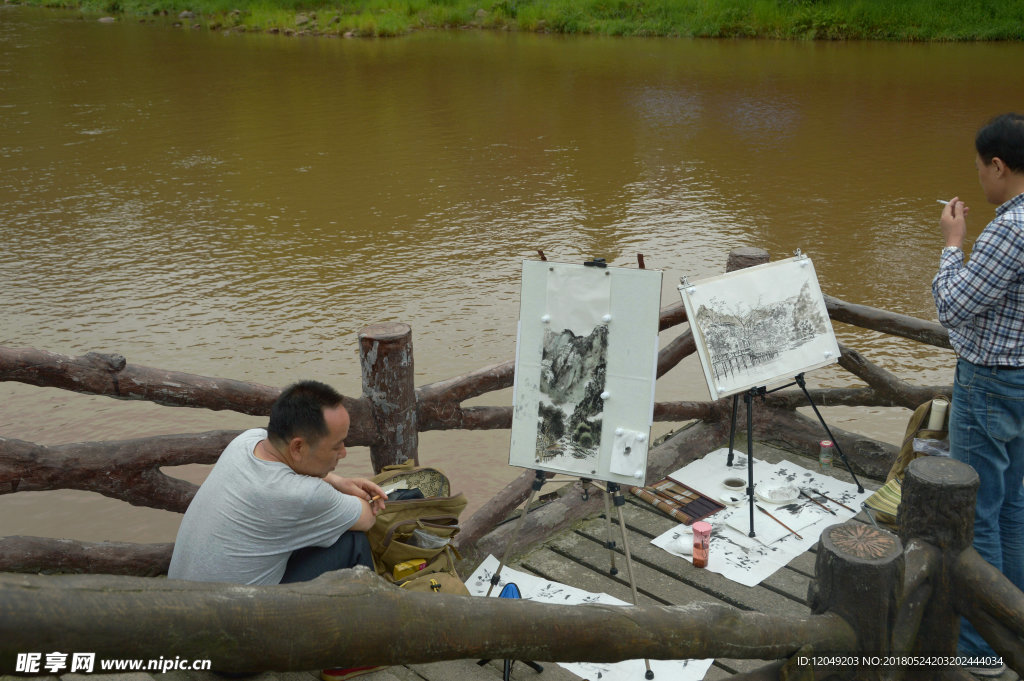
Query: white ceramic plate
777	494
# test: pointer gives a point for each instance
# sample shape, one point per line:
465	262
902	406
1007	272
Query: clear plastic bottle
825	455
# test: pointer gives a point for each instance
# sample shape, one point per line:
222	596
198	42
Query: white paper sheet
796	517
751	560
536	588
589	291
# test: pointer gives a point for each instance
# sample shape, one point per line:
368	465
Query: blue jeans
986	431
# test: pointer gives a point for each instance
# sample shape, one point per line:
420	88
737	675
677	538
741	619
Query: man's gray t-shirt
250	514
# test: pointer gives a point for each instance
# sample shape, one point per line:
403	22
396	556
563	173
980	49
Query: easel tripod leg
800	382
748	398
616	492
538	482
732	427
609	542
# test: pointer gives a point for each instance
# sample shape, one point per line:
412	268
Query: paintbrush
817	502
778	521
833	500
662	495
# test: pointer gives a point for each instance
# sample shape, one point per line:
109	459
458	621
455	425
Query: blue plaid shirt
982	302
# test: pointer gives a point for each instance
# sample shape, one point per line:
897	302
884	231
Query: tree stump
859	576
745	256
938	507
386	361
938	503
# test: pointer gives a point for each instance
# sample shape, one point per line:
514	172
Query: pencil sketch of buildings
743	335
572	378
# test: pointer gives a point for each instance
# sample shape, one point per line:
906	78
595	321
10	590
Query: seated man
272	511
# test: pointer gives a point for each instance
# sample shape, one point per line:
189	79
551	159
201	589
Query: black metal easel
748	399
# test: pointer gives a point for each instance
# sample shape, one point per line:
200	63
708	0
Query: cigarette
944	203
374	498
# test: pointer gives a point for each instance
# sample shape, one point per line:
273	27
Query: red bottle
701	543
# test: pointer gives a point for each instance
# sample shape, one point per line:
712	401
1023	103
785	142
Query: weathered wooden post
937	507
386	361
745	256
901	603
859	574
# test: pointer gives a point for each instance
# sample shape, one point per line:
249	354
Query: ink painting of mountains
572	378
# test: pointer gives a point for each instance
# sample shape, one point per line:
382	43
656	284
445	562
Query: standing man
272	510
982	305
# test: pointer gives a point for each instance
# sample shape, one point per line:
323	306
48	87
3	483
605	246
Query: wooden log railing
195	620
391	411
879	601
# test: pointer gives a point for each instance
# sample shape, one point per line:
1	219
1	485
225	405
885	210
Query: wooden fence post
859	575
744	257
386	361
937	507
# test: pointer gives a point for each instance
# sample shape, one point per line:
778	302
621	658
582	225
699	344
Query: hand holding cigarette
954	221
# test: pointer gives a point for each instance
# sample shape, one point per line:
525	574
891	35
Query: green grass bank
899	20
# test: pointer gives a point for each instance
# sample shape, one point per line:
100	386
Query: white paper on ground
536	588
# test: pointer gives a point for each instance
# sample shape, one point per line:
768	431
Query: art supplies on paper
701	543
534	588
825	451
749	560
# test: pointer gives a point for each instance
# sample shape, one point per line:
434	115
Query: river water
241	205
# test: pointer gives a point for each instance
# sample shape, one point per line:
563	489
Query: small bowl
735	484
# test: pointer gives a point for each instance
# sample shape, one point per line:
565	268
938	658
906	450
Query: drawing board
586	360
760	325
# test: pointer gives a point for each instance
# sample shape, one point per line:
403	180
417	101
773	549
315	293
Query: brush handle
817	502
833	500
779	522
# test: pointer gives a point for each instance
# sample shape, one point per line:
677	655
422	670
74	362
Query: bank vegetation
907	20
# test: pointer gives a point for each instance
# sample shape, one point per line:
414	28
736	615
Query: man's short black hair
1003	136
299	411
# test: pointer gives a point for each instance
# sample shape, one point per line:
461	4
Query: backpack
411	538
885	502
